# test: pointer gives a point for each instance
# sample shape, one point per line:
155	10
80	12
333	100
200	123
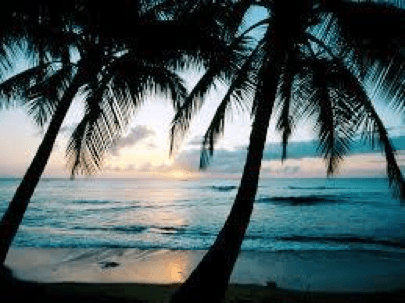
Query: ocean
289	214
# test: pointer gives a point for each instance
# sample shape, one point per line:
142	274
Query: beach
152	275
312	239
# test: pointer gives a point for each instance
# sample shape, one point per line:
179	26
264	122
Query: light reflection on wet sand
92	265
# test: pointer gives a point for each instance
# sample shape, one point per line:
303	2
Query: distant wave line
342	239
302	200
315	187
132	228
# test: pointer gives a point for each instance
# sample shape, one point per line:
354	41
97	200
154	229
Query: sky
143	151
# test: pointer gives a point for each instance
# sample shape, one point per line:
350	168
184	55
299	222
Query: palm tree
41	33
307	65
114	80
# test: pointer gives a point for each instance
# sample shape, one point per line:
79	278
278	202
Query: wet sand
152	275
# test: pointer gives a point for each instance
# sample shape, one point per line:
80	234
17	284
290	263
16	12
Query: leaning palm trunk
14	214
209	281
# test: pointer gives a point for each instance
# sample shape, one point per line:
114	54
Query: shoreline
120	275
315	271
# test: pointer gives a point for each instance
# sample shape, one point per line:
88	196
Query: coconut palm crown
113	78
309	65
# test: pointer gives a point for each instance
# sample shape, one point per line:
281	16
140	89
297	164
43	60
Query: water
289	214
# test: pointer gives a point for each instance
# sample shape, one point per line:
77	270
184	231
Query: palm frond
43	97
6	58
222	68
285	122
112	99
372	126
241	92
384	75
43	42
94	135
372	33
371	25
168	83
17	86
386	81
134	77
334	117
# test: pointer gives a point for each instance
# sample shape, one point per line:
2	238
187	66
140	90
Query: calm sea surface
290	214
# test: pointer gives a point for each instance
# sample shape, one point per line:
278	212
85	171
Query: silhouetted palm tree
114	79
308	64
39	33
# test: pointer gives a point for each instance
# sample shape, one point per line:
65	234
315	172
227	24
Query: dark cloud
136	135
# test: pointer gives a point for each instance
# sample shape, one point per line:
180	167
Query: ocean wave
113	208
342	239
106	205
119	208
224	188
133	228
113	228
315	187
168	229
92	201
380	250
301	200
200	233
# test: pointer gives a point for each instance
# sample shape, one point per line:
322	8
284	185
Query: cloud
309	149
223	161
303	160
232	161
136	135
151	145
67	129
147	167
195	143
150	170
278	168
127	168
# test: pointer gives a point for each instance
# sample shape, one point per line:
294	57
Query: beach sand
152	275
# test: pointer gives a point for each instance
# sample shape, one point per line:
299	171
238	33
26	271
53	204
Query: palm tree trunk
13	216
209	281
